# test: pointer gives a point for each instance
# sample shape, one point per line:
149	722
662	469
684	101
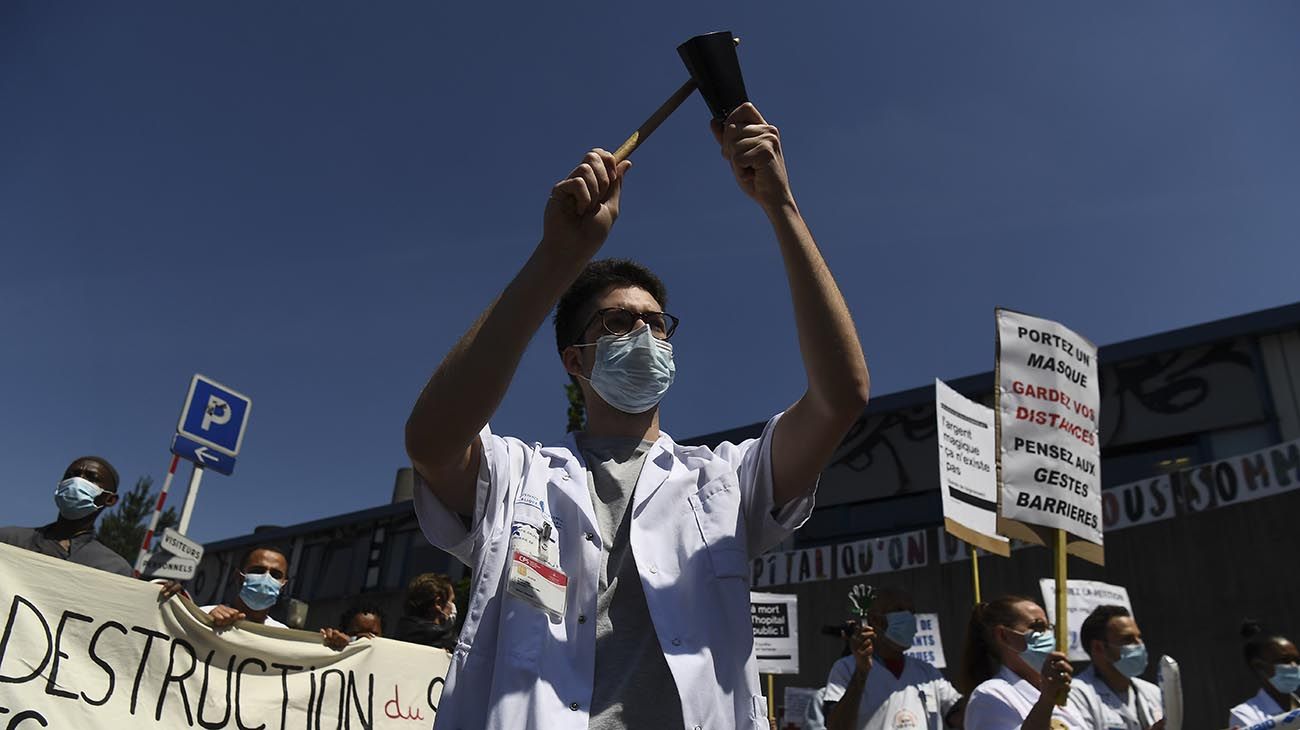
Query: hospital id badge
537	584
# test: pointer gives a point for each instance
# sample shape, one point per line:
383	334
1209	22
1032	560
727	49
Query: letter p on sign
217	413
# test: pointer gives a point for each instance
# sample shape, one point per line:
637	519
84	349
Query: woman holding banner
1010	670
1274	661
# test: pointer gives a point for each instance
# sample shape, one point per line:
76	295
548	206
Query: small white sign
775	617
1082	596
928	644
165	565
968	459
797	700
177	544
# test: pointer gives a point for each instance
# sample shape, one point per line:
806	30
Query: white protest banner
1245	478
1047	428
968	479
928	644
793	566
881	554
1082	596
775	617
1137	503
846	560
81	648
1286	721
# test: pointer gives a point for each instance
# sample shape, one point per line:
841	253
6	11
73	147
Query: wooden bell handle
647	127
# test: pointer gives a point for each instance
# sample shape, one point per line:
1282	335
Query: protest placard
775	617
927	645
1082	596
968	479
1048	453
88	649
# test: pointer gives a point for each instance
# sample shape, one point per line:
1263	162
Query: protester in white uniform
1011	671
611	569
1109	694
877	686
263	574
1274	661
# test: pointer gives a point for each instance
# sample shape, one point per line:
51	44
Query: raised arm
463	393
838	382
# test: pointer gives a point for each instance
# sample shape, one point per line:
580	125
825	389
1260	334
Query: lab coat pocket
716	506
525	628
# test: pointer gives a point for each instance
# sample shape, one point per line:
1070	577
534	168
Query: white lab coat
1003	703
1101	709
698	516
918	698
1257	709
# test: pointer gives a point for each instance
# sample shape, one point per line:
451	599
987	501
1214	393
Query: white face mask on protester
632	371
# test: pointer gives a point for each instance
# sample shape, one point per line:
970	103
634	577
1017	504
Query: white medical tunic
698	516
917	699
1257	709
1003	703
1102	709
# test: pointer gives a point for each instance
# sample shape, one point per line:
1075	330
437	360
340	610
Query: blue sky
311	201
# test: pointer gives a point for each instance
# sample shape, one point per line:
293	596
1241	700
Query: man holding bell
611	569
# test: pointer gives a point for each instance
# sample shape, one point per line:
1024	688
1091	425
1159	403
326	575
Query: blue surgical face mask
260	591
632	371
75	498
1286	678
1132	659
1038	644
900	628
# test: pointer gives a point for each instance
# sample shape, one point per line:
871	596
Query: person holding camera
879	687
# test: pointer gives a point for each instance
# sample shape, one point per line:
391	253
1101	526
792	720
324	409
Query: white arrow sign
162	565
203	454
179	545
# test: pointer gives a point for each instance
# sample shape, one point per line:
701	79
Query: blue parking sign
214	415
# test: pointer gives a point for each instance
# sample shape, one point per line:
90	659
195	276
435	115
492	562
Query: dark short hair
245	556
425	590
1094	627
357	610
597	278
1257	639
109	471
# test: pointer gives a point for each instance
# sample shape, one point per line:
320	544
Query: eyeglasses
618	321
1041	626
260	569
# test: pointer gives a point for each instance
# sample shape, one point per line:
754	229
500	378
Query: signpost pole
975	570
1062	603
190	495
771	696
153	521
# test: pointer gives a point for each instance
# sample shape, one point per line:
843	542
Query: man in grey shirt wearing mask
88	487
611	570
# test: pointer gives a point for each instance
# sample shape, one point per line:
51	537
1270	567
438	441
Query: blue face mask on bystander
75	497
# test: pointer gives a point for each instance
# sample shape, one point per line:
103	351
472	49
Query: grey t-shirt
83	549
633	686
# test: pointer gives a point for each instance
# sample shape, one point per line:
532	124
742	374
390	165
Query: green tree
577	407
123	526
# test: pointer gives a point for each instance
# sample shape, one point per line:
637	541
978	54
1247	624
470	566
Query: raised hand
584	205
863	643
753	147
1056	674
